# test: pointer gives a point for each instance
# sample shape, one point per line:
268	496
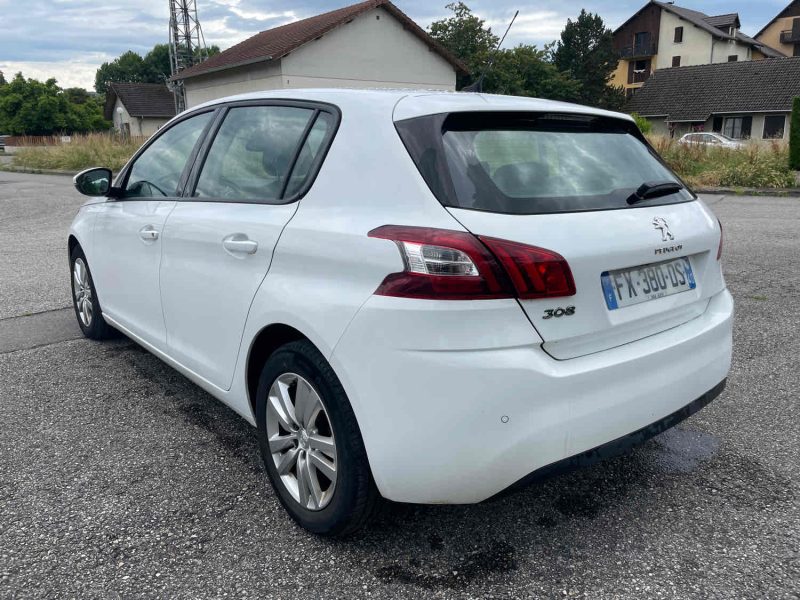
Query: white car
429	297
709	139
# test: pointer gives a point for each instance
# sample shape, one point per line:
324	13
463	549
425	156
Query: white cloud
257	15
73	73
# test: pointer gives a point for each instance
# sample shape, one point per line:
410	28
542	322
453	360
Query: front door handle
239	243
148	233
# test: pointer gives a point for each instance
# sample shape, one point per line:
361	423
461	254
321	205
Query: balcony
639	51
791	36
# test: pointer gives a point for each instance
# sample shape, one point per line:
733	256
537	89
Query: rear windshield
524	163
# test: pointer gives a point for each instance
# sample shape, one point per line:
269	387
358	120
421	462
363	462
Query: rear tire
317	465
85	300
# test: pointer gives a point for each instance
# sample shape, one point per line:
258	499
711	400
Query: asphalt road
119	478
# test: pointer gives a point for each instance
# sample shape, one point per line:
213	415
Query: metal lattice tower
187	46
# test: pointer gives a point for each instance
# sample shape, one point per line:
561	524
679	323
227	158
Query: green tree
794	136
467	37
523	71
2	79
128	68
30	107
585	52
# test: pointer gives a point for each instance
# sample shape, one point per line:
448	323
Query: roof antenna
477	86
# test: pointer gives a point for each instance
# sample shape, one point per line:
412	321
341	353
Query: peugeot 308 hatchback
426	297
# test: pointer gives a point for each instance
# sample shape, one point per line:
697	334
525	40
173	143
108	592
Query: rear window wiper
654	189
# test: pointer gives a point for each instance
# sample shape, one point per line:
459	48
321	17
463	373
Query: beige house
662	35
138	109
783	32
367	45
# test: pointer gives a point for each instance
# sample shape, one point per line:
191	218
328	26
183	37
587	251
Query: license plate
625	287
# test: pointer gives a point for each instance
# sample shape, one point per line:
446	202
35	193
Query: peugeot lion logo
661	224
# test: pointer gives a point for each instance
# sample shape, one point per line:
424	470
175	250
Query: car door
219	239
128	228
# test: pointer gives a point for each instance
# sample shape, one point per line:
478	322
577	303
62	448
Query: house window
774	127
738	128
678	35
638	71
733	58
676	61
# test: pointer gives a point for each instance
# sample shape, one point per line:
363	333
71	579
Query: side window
307	158
252	153
157	171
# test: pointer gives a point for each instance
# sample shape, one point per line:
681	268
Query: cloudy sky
69	39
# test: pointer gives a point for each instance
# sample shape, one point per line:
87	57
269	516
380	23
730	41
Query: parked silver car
709	139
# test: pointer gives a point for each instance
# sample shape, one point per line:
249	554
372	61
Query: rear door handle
148	233
239	243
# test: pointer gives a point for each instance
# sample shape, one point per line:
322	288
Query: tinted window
157	171
309	153
252	153
525	163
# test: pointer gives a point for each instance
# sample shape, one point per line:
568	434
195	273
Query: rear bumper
457	401
620	445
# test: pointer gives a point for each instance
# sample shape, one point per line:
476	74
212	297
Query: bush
760	165
794	136
84	151
643	124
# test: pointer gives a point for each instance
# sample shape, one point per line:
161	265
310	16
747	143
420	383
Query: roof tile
695	93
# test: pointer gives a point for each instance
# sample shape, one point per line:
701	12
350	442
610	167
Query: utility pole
187	46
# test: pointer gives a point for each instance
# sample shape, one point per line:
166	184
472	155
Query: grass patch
84	151
756	165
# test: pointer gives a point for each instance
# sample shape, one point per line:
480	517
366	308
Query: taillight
719	250
455	265
535	272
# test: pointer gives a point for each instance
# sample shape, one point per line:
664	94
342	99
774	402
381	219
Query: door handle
148	233
239	243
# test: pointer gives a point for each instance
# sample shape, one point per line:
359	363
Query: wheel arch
72	242
264	344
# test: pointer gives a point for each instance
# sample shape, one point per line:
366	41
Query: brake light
455	265
535	272
719	250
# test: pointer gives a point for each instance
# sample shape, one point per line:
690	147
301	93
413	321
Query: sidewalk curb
776	192
13	169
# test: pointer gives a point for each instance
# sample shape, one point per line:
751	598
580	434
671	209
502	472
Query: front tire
311	444
84	299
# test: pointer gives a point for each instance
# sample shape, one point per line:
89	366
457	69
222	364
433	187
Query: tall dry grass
84	151
758	164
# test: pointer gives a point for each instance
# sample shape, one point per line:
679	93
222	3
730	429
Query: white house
138	109
370	44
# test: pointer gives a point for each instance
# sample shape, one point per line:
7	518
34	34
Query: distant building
661	35
783	32
370	44
139	109
741	100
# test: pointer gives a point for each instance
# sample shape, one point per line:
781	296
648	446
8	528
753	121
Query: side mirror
93	182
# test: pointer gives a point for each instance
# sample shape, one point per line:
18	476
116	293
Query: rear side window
309	153
523	163
252	153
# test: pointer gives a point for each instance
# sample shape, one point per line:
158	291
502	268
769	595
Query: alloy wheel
301	441
82	290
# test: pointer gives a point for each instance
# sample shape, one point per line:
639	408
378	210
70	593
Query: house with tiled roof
138	109
783	32
743	100
663	35
371	44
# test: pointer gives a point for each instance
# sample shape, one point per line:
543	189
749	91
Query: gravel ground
119	478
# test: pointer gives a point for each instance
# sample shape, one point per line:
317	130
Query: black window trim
316	107
117	191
